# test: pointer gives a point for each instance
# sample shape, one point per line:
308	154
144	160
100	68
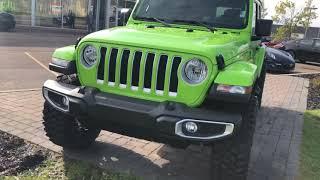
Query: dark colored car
304	50
7	22
279	61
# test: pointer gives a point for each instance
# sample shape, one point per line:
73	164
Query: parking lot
24	57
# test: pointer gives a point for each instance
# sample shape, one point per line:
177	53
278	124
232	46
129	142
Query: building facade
91	15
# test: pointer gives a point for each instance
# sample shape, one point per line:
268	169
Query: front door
304	48
316	50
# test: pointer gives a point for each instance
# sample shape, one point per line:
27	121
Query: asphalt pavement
24	57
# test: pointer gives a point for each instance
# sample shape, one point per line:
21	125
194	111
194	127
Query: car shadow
313	63
308	62
165	164
275	153
276	147
279	73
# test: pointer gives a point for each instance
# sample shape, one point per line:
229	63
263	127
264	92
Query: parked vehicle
304	50
279	61
178	73
271	44
279	46
7	22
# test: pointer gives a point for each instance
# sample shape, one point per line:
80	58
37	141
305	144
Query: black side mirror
263	27
124	15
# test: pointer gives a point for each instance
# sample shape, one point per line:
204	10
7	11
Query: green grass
315	82
310	149
57	168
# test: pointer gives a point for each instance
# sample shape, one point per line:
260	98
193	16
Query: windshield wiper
155	19
162	22
199	23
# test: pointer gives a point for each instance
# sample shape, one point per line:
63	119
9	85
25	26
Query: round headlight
272	56
89	56
195	71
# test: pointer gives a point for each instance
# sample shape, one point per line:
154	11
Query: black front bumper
278	67
161	122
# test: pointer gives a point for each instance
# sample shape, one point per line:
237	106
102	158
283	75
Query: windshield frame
245	25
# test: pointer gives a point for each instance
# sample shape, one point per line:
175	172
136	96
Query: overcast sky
270	4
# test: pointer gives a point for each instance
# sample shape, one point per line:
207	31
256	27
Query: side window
256	16
306	43
259	12
254	19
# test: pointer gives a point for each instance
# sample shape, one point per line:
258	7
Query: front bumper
277	67
162	122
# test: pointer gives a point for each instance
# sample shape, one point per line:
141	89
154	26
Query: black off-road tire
259	89
65	130
230	158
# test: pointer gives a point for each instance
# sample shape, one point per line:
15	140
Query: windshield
217	13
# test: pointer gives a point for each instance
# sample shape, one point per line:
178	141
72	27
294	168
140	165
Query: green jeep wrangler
180	72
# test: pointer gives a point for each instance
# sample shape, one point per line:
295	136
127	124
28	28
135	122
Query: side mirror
264	27
124	15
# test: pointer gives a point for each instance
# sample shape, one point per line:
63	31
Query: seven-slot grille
138	69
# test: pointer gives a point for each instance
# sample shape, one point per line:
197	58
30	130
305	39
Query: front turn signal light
234	89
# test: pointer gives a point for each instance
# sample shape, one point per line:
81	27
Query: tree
290	18
6	6
285	15
308	14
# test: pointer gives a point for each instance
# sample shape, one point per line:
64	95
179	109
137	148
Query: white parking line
38	62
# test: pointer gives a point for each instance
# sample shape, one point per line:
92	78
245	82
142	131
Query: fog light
65	101
191	127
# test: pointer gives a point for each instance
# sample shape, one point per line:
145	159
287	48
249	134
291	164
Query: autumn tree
308	14
290	18
285	15
6	6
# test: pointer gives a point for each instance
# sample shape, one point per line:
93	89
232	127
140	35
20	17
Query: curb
40	29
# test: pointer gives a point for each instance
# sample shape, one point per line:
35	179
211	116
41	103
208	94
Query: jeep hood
199	42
